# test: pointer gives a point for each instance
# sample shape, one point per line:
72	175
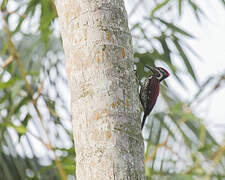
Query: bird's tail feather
143	120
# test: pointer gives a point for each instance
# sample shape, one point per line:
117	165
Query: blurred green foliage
35	125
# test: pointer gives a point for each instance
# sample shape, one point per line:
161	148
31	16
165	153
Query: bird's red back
153	92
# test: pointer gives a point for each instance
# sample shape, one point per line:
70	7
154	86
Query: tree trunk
104	92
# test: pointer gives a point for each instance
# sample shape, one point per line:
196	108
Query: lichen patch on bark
102	56
123	52
109	36
98	59
108	135
98	114
118	102
85	90
127	103
113	105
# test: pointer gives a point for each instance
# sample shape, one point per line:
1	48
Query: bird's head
159	72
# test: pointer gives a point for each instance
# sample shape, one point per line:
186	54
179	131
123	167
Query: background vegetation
35	121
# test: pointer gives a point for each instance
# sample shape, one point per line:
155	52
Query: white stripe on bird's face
159	75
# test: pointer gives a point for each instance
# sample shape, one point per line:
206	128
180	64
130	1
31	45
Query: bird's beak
154	71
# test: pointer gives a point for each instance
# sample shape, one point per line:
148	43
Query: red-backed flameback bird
150	90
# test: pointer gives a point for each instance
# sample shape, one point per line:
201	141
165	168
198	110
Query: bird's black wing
151	93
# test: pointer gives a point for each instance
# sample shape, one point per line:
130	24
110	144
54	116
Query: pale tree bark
104	92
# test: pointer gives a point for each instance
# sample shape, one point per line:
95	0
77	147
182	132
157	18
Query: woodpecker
150	90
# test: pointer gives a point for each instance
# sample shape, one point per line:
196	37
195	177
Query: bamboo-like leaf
30	10
180	7
20	129
3	5
175	28
147	150
223	1
14	109
161	117
185	59
166	48
159	6
196	9
7	84
188	47
202	87
17	87
135	26
26	119
47	16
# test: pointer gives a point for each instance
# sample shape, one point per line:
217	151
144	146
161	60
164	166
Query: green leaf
20	129
17	86
7	84
29	12
31	51
187	46
223	1
160	116
147	150
5	97
159	6
175	28
14	109
180	7
202	87
47	16
69	168
196	9
26	119
24	101
185	59
166	48
135	26
3	5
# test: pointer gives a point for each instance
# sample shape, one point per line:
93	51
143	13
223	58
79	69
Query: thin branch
39	92
152	155
216	159
7	61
